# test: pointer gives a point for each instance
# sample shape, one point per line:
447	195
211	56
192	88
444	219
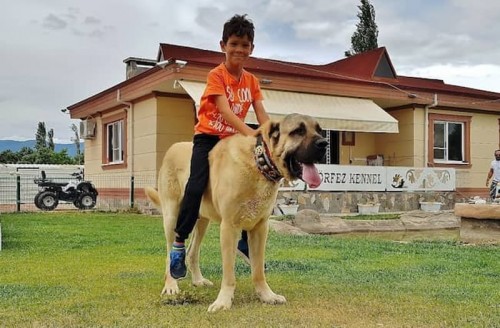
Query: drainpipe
426	129
130	113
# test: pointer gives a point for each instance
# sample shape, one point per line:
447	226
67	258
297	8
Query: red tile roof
359	68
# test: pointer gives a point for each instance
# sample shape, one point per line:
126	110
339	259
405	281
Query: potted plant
429	202
368	205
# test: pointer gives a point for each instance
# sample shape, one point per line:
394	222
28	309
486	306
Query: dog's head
296	144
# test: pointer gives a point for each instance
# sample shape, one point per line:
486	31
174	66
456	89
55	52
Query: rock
417	220
285	228
309	221
478	211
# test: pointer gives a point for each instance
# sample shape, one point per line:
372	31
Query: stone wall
347	202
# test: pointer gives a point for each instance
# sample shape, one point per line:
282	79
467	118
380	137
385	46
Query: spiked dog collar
264	162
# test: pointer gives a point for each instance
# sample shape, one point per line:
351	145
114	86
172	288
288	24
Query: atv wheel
37	200
85	201
48	200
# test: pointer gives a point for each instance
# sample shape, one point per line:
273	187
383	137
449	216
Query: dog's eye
300	131
319	129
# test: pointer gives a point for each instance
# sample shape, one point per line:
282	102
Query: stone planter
290	209
366	209
430	206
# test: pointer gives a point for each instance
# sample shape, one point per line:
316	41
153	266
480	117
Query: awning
332	113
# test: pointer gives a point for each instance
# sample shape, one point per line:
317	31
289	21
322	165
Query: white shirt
495	165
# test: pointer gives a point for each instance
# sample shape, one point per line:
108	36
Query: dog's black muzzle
314	152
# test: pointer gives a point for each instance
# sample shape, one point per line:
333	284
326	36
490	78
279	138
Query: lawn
94	269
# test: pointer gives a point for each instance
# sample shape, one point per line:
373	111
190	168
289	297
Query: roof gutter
426	129
130	112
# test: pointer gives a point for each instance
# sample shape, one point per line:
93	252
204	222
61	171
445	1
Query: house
367	110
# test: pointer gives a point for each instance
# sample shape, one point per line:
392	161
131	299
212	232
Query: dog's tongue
310	175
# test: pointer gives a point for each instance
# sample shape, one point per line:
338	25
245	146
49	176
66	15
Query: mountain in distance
16	146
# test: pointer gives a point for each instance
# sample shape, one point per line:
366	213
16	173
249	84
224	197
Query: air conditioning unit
87	129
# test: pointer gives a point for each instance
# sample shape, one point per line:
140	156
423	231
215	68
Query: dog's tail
153	196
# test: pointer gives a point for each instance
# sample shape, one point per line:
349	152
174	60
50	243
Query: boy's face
237	49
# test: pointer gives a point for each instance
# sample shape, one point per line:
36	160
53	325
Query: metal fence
18	191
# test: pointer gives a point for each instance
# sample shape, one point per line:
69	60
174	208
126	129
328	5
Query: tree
76	139
79	157
50	139
8	157
26	156
366	34
41	136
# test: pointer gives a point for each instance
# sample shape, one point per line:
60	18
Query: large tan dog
241	193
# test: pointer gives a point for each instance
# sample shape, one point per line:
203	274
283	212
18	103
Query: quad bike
79	192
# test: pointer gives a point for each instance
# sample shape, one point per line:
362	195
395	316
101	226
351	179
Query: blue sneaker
242	250
178	263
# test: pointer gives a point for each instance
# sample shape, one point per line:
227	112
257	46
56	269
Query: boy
228	95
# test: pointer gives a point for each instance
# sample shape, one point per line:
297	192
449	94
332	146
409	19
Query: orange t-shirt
240	95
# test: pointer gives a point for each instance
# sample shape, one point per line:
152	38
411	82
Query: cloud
52	22
63	52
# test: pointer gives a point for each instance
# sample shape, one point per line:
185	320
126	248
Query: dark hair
240	26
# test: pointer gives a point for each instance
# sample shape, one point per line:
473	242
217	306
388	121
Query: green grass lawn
106	270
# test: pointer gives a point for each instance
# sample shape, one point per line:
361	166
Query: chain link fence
122	192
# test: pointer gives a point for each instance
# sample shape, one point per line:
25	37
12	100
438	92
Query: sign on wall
351	177
379	178
420	179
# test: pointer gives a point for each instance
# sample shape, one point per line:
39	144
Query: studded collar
264	162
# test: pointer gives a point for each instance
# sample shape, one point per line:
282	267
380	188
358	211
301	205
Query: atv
79	192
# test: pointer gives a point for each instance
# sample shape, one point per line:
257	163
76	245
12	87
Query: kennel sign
378	178
352	178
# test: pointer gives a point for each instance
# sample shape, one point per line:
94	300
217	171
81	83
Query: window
115	142
449	139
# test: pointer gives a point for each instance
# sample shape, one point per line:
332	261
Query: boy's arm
260	112
231	118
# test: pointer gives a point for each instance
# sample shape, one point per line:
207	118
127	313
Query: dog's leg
257	238
228	236
193	253
170	210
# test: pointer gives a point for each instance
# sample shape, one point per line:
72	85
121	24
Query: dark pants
195	187
493	189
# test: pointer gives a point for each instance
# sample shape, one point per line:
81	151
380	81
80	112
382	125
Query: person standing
495	173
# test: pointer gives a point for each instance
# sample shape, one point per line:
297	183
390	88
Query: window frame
107	163
443	118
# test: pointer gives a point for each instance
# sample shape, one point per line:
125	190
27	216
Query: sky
56	53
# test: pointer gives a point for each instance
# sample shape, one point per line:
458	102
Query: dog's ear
274	132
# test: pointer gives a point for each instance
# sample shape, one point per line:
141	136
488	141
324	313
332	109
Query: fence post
132	191
18	193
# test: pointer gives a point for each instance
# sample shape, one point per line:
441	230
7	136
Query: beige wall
484	140
159	122
403	148
154	125
175	122
398	149
356	155
142	140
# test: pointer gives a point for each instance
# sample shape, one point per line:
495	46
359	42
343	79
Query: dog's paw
220	305
170	289
272	298
202	282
